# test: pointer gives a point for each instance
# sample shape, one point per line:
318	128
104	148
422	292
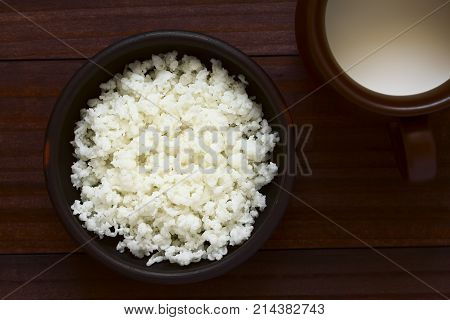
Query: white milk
417	61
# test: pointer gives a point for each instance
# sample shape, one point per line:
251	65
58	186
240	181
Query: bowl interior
85	85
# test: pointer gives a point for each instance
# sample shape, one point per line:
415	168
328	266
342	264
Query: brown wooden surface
283	274
257	27
355	181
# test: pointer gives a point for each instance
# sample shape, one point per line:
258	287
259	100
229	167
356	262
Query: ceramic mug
412	136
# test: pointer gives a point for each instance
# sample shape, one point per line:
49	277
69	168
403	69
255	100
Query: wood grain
355	181
256	27
282	274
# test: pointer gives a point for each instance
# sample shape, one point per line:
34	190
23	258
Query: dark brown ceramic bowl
85	85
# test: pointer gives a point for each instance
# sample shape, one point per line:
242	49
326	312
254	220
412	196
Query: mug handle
415	148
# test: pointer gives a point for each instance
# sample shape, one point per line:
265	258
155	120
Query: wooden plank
256	27
355	181
282	274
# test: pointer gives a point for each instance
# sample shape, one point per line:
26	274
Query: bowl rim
81	235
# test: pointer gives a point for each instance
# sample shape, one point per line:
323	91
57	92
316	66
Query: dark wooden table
355	181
